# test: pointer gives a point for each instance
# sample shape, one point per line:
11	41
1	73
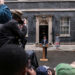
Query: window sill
65	35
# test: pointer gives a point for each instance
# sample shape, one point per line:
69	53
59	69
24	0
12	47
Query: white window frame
64	35
26	24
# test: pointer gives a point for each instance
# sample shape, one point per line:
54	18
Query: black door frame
43	31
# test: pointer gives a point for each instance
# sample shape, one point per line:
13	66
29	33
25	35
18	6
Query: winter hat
17	14
41	71
5	14
64	69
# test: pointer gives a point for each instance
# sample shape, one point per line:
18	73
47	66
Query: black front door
43	31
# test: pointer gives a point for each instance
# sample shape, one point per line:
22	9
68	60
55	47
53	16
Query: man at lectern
44	43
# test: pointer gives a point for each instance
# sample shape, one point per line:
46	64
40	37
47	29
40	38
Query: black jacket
46	42
10	33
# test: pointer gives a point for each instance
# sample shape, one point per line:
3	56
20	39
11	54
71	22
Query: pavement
51	48
66	54
56	57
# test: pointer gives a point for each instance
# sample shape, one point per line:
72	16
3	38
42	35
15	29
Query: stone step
52	48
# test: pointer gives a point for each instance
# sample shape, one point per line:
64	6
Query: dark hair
15	16
41	71
52	70
12	59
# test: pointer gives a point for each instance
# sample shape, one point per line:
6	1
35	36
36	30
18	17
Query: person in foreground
5	14
65	69
13	61
45	70
9	31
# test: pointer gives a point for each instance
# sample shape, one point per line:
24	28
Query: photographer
16	15
9	31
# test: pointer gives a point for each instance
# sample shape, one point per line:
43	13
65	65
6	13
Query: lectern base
43	59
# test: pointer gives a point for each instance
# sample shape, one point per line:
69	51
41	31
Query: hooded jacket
5	14
10	33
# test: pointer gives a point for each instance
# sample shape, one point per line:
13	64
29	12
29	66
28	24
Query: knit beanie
64	69
5	14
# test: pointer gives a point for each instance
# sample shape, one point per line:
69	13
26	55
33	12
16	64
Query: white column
50	30
37	29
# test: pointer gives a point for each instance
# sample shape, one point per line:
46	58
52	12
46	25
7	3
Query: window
65	27
26	24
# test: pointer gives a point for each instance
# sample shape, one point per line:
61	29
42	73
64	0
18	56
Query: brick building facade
47	17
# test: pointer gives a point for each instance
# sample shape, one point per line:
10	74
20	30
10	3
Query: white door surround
47	20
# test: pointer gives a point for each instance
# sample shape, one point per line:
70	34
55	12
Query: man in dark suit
44	42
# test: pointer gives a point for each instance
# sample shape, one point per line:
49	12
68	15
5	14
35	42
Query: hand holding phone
29	63
31	72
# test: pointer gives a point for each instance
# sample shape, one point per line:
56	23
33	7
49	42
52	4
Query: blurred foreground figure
32	59
65	69
5	14
45	70
9	31
17	15
13	61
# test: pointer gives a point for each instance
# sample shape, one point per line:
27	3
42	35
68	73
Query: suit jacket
46	42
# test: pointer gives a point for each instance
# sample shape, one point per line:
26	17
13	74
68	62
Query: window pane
26	24
64	25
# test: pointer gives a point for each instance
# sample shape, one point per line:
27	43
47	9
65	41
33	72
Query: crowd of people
13	58
12	28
